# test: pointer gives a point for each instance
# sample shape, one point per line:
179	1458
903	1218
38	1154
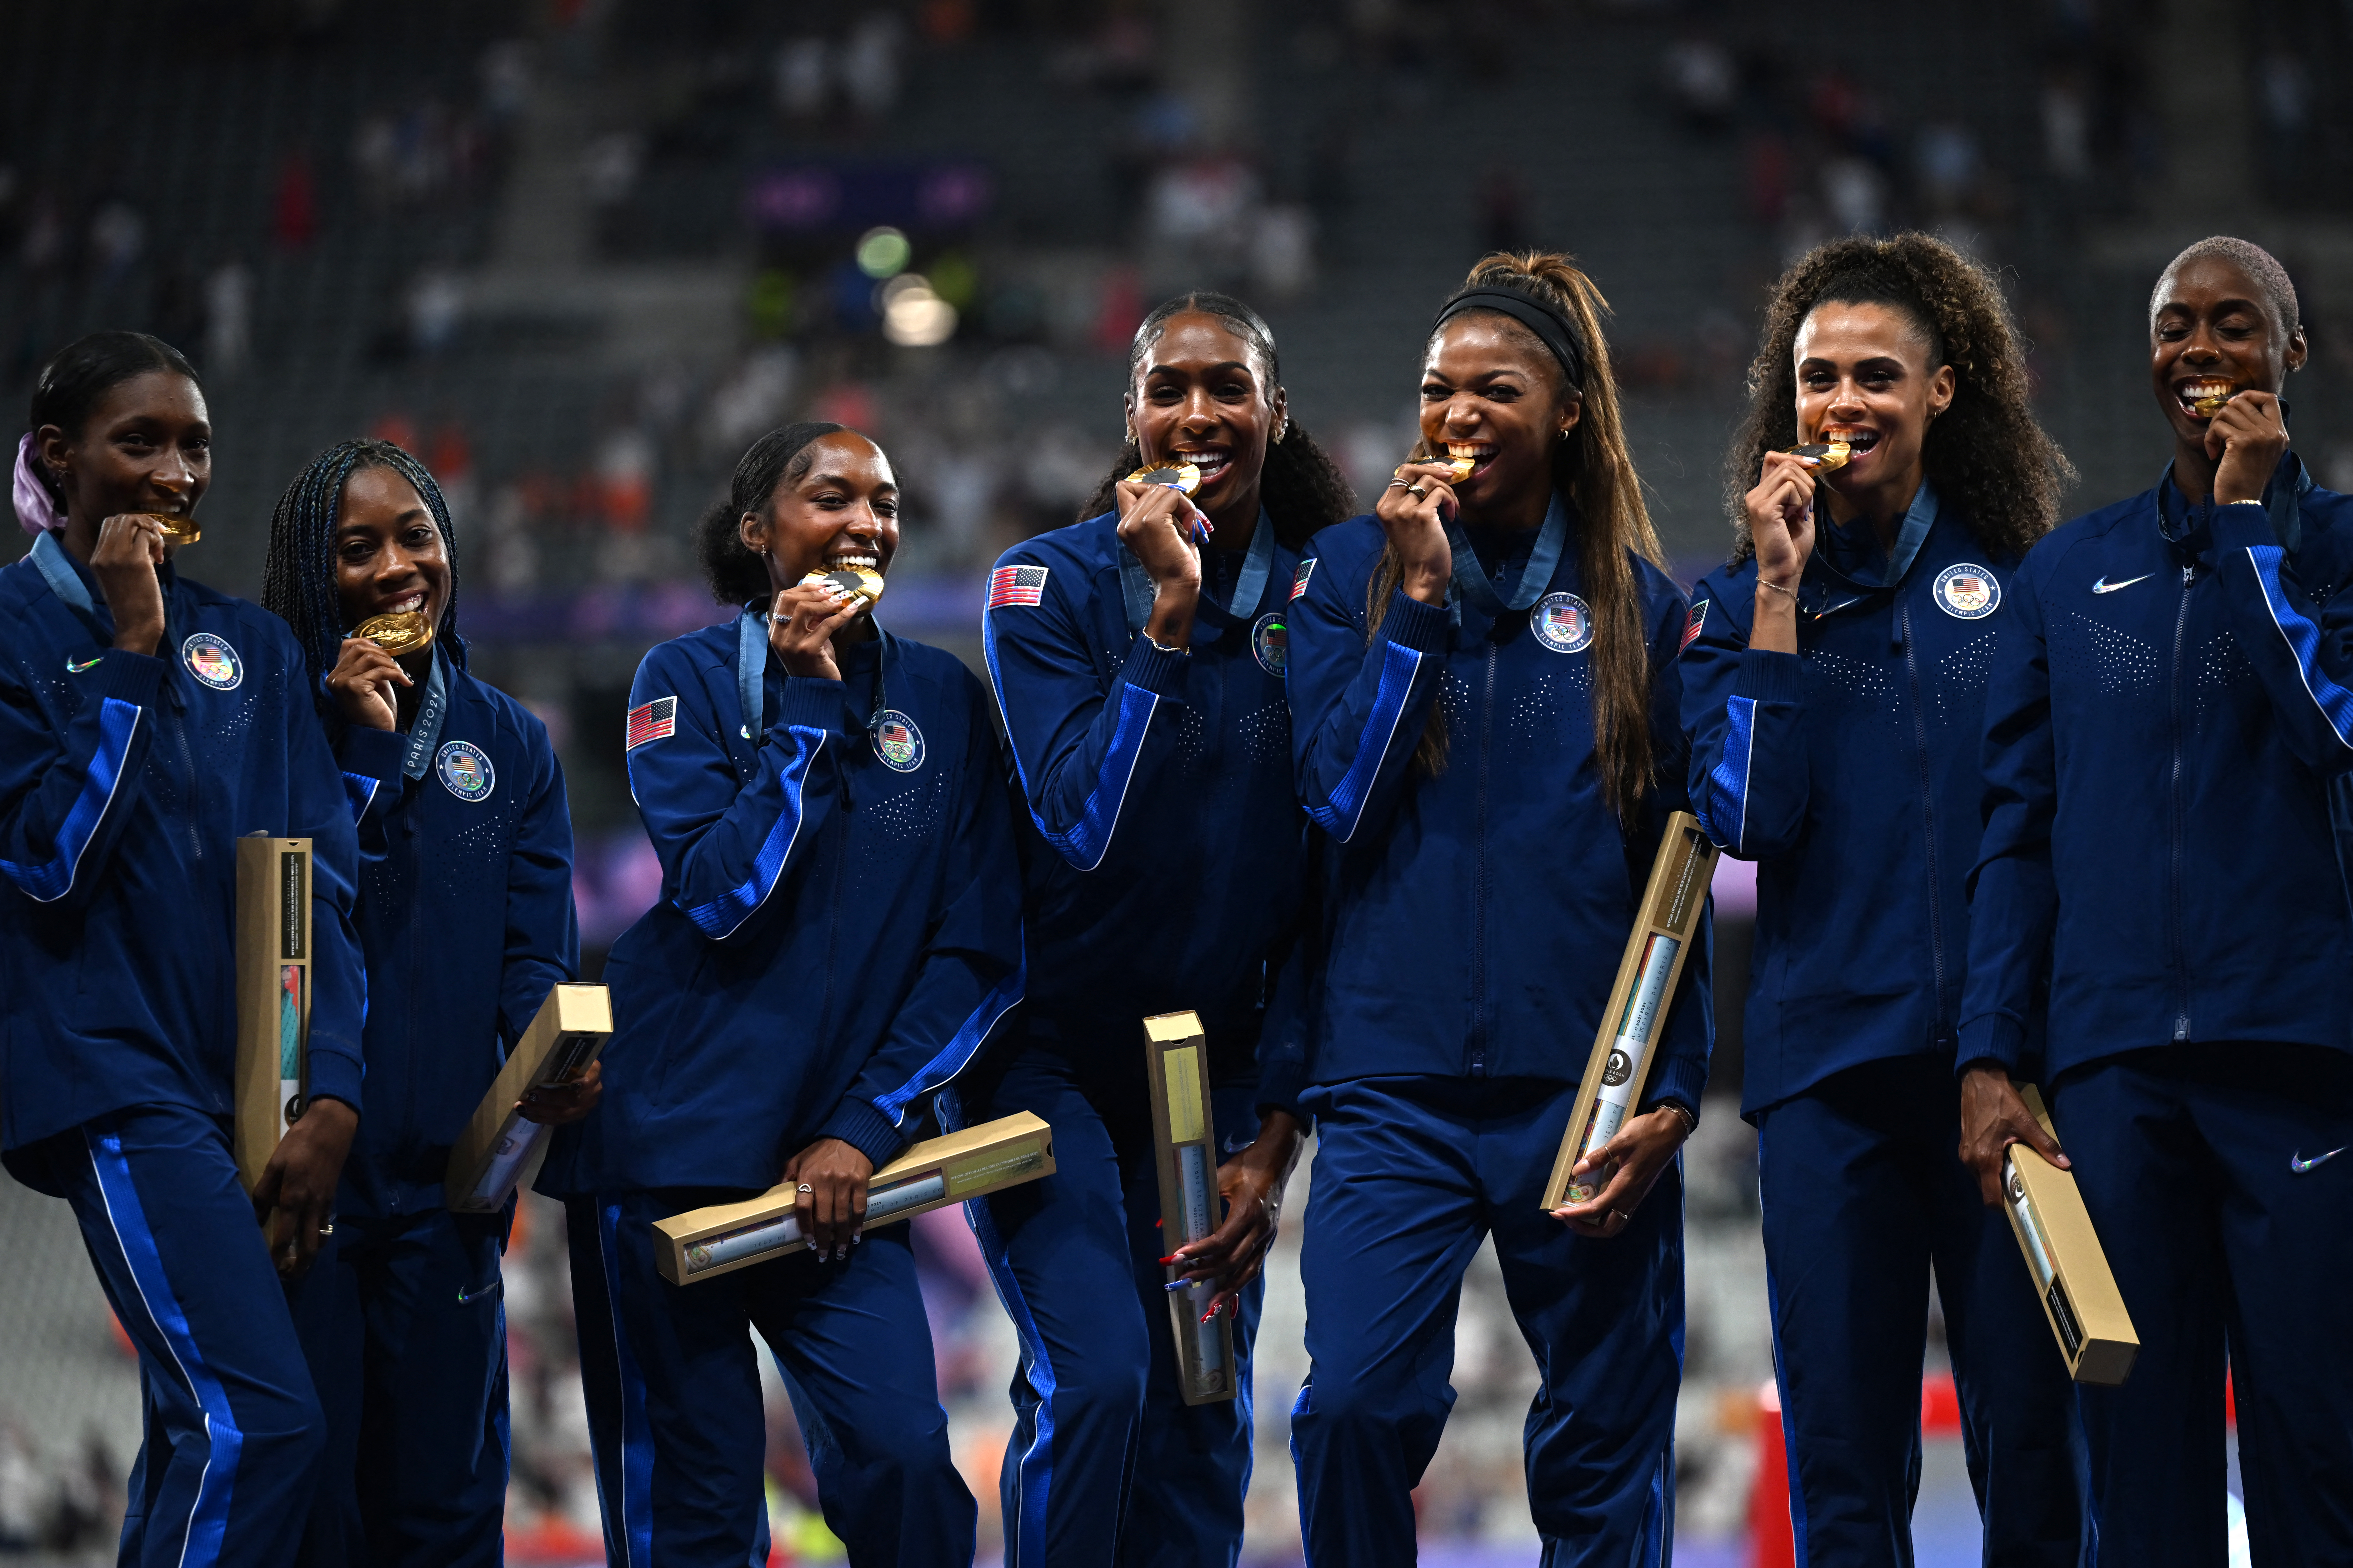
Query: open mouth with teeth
1466	457
2204	397
1858	439
1213	462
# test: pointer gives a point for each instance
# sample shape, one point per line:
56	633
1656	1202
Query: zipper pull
2189	575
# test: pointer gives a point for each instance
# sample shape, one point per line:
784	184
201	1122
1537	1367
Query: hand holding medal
803	618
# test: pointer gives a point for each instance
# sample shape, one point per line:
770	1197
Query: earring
1281	431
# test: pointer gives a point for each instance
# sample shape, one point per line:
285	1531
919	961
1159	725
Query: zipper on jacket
1927	813
412	885
2177	934
186	757
1479	879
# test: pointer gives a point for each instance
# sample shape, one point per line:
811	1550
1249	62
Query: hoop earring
1281	431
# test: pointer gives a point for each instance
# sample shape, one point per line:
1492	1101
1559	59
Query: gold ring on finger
1419	492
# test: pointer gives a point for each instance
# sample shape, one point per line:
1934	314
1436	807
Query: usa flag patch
1698	620
652	721
1306	569
1016	585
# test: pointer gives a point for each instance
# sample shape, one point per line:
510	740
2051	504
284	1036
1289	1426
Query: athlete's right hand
803	641
1781	519
130	547
362	680
1993	1116
1157	524
833	1204
1415	526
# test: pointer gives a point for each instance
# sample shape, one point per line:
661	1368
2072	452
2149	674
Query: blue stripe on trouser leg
2184	1157
1058	1251
1863	1191
614	1392
232	1427
1409	1173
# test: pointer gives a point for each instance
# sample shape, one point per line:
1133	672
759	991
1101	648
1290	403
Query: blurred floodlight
883	252
914	316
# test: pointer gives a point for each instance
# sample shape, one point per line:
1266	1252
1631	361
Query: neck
79	536
1231	526
1883	506
1517	514
2193	470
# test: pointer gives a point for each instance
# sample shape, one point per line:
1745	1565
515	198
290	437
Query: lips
855	559
2203	396
1468	458
1213	461
407	604
1860	438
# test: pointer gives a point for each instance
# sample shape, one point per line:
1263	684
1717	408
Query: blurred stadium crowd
578	253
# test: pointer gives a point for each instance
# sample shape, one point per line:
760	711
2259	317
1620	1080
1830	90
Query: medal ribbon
1250	589
57	571
2286	507
752	668
1471	584
426	736
1918	520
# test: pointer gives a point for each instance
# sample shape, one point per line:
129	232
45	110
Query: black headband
1543	318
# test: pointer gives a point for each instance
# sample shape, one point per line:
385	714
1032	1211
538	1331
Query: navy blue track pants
672	1385
1865	1194
404	1322
1410	1174
233	1427
2187	1157
1106	1464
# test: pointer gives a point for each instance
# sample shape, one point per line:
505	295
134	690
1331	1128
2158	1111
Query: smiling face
388	554
1203	395
147	447
2213	332
842	512
1492	393
1863	377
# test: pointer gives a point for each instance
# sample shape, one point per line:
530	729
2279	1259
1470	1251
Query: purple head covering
37	509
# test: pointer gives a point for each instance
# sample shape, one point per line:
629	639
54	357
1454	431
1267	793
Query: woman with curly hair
1834	673
1138	658
1484	693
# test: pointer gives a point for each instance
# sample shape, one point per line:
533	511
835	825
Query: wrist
1426	584
139	638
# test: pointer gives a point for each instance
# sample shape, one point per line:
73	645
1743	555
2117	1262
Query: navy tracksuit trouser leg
402	1320
672	1384
1864	1193
1410	1174
233	1427
1107	1464
2187	1157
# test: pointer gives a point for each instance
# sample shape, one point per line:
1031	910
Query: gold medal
179	530
850	582
403	632
1460	460
1821	455
2206	397
1185	477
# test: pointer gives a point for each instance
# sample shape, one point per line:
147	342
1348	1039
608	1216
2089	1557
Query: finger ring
1397	482
1419	492
804	1187
328	1228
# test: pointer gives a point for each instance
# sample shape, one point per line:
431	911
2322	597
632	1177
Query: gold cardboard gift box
273	994
2062	1253
500	1150
1185	1141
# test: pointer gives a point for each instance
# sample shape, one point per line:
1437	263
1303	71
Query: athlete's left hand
1639	1152
299	1182
558	1103
2248	435
1252	1184
833	1206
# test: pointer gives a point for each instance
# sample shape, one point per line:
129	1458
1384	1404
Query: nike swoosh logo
73	668
2105	586
2299	1165
465	1297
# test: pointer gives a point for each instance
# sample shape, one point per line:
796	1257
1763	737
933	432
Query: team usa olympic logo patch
897	741
465	771
1968	593
1270	643
1016	585
1562	622
1306	569
212	661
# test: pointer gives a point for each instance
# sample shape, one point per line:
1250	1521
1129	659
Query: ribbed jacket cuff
373	753
1411	624
129	677
1279	1085
334	1075
1680	1077
1995	1038
813	703
1154	670
857	1123
1768	676
2241	526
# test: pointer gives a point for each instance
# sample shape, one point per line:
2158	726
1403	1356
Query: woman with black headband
1834	680
839	933
1484	695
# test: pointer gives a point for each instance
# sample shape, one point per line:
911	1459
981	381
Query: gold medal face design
851	582
1461	459
405	632
179	530
1184	476
2206	397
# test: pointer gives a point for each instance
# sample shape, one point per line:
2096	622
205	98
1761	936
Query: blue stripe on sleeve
360	790
960	1050
2336	703
1724	809
721	917
51	879
1339	816
1089	839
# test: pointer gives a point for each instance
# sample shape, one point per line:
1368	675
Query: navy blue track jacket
1475	919
124	780
1849	773
467	919
1165	850
840	927
2159	735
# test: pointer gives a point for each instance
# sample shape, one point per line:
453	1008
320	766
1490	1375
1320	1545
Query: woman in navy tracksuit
1484	726
465	912
2160	734
1141	683
146	724
1833	680
839	933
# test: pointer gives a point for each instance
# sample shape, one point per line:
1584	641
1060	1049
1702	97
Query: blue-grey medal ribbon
426	734
1815	593
2284	504
1137	591
1474	587
752	668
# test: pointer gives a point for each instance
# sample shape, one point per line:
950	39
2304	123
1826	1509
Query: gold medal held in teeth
1185	477
1822	456
851	582
402	631
179	530
2209	403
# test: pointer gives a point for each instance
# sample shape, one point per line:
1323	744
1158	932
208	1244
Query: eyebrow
1242	365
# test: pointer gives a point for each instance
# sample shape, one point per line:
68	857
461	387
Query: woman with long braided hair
1834	683
1484	693
466	917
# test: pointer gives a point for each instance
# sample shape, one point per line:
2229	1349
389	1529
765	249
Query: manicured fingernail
1207	1315
1167	1260
1175	1284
